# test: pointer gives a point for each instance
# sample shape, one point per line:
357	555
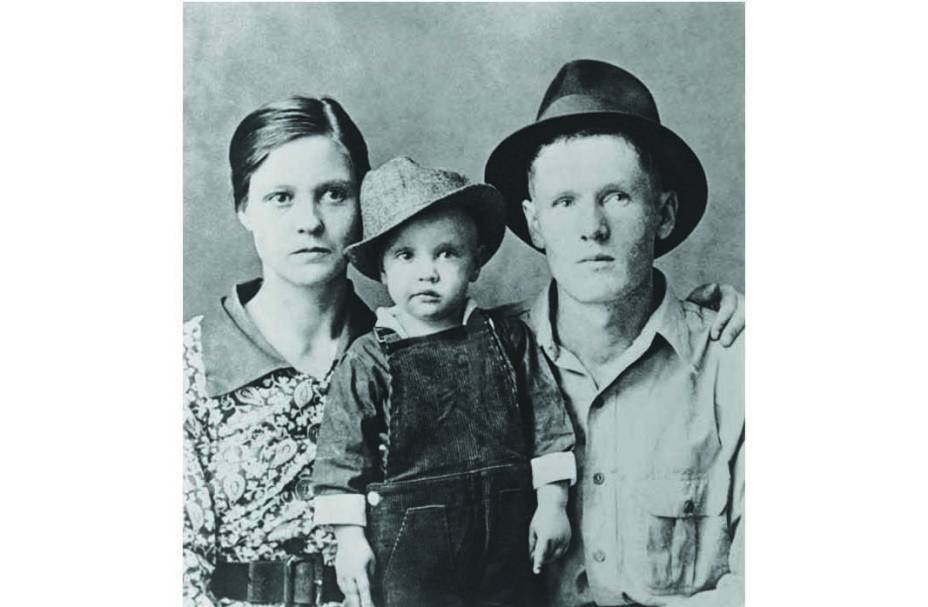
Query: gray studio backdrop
444	83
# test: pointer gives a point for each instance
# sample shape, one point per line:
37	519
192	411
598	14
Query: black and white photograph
464	303
445	304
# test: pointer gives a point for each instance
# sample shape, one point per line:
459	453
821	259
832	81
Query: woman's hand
549	532
729	303
354	565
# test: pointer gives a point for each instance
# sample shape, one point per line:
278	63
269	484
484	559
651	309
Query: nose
592	221
308	219
428	272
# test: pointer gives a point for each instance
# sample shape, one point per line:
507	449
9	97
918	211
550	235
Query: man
602	188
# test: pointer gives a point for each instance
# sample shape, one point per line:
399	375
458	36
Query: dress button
598	478
304	488
688	507
303	393
373	498
599	556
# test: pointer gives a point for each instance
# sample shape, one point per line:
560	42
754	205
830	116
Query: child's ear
531	218
667	214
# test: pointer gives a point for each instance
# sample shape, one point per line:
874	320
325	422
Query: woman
257	366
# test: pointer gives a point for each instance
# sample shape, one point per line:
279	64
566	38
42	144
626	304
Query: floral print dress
248	452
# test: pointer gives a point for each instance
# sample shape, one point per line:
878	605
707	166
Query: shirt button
598	478
599	556
373	498
688	507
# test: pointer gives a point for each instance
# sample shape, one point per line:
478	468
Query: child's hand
354	565
548	535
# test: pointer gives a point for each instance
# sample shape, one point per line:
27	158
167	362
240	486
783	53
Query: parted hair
279	122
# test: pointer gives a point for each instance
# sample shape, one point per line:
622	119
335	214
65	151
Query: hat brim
507	167
484	202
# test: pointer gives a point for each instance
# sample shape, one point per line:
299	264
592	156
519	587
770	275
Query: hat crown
589	86
399	186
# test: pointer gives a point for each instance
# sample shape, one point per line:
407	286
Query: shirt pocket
671	517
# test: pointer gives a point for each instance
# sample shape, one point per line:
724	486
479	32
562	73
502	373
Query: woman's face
302	210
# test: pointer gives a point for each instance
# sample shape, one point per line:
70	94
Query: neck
298	319
599	332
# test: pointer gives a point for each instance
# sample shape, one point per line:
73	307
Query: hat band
587	104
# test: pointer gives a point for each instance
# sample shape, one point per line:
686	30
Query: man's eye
563	201
619	197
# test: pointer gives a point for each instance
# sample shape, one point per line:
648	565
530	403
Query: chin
594	290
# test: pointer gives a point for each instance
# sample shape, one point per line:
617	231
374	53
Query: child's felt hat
400	189
589	94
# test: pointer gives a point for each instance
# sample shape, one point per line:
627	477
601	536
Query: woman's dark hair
280	122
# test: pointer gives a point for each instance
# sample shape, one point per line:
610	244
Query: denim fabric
453	404
456	540
449	524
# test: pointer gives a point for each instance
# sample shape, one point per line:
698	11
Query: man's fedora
401	189
588	94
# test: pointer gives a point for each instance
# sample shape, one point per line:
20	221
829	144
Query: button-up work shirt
658	509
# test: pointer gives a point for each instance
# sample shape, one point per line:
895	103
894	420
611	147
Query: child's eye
447	254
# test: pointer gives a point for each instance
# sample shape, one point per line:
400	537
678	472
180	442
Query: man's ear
667	214
478	262
531	218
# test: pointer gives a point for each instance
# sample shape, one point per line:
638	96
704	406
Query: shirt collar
235	353
668	321
388	319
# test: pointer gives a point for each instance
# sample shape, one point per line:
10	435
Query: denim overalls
449	524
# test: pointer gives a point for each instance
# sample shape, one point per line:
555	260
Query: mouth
313	251
599	258
427	294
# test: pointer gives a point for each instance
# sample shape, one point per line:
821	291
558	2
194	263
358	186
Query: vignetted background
444	83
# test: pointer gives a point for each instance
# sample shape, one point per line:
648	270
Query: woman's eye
335	195
280	198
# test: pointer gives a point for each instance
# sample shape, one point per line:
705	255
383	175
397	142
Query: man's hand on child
549	532
354	565
729	303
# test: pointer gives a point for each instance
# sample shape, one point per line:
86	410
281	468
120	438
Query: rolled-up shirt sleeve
541	400
346	456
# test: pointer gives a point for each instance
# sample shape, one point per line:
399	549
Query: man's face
596	214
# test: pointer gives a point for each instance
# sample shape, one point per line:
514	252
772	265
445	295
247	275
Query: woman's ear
531	218
243	217
667	214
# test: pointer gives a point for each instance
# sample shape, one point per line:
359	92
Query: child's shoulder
364	350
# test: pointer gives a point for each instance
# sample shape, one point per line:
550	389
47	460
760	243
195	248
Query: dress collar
235	353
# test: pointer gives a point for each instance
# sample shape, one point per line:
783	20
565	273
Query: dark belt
300	581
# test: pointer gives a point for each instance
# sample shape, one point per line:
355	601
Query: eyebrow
334	183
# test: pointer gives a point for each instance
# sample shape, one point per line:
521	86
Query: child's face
428	264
